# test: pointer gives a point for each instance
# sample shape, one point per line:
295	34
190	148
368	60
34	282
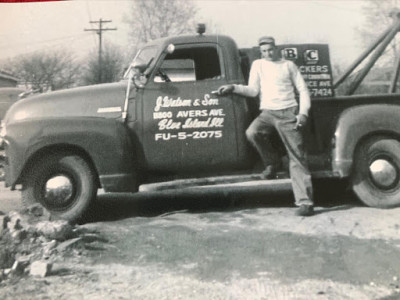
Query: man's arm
250	90
304	101
301	86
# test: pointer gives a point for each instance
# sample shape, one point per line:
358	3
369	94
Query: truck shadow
110	207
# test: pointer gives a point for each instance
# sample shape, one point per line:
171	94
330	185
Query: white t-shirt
274	82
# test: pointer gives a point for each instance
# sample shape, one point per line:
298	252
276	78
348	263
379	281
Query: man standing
274	80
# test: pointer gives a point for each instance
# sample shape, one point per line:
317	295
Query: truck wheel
63	184
376	174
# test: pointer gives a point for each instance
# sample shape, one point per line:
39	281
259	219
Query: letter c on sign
311	55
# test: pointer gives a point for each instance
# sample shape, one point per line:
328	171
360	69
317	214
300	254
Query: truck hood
102	100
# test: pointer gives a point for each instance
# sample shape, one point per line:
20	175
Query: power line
90	17
44	41
99	31
45	48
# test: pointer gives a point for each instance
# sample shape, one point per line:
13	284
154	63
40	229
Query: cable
43	48
90	19
46	41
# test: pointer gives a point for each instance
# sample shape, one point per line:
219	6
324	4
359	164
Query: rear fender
358	123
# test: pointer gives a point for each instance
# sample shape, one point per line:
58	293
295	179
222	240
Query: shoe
305	210
269	172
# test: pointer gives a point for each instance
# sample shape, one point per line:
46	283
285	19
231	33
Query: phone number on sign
216	134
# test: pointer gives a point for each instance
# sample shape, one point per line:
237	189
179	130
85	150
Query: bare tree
377	18
110	70
46	71
152	19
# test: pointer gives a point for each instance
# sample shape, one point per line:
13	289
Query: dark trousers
260	134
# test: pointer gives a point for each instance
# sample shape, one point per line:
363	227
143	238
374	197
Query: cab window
190	64
145	55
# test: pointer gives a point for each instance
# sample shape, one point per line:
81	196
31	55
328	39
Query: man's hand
225	89
301	121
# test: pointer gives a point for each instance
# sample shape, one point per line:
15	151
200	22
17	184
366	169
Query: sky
29	27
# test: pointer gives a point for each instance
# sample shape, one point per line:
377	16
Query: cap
266	40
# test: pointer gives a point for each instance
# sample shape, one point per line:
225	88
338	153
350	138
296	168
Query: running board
220	181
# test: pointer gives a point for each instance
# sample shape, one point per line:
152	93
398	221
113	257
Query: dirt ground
226	246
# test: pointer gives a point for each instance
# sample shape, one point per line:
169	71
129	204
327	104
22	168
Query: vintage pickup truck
163	122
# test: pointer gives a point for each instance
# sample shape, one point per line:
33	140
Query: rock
56	230
25	259
40	268
18	268
18	235
6	257
14	214
46	216
31	230
15	221
3	223
35	210
69	244
48	248
20	264
2	275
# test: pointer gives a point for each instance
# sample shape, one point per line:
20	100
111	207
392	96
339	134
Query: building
7	80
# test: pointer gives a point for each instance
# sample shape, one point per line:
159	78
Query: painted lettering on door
183	119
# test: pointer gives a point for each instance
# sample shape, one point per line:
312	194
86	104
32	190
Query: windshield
144	57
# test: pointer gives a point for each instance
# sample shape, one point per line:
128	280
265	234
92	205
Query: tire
64	184
376	174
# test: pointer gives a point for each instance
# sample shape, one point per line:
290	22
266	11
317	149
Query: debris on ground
30	243
40	268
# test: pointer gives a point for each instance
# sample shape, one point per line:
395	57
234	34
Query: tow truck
163	126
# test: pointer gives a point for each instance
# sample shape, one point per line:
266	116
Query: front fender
357	123
105	141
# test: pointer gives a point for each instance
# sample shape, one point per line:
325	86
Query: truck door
185	126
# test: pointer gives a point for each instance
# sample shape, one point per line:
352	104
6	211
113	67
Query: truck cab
184	127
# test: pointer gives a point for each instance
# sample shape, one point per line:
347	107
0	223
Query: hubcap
58	190
383	173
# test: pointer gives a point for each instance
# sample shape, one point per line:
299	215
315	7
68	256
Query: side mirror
136	75
140	66
140	80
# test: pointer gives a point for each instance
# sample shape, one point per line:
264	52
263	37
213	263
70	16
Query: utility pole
99	31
